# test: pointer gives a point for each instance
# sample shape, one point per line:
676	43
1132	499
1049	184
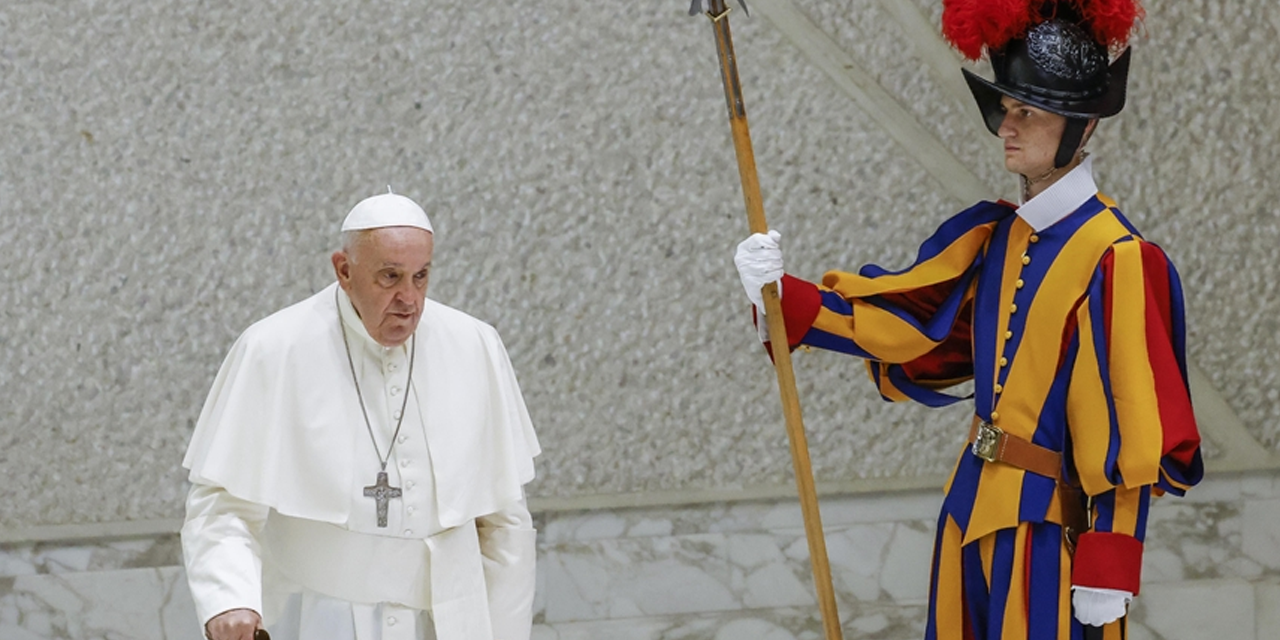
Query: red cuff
1106	560
801	302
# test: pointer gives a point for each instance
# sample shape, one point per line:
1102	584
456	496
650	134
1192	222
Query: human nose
405	291
1006	129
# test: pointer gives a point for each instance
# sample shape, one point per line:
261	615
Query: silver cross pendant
382	492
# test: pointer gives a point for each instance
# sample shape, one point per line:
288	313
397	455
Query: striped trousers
1012	584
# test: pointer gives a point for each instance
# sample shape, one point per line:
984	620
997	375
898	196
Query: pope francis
358	469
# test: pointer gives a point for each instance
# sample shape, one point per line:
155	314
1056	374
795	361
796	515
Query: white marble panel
53	558
15	563
1197	610
1196	540
1260	485
624	578
764	575
1267	603
765	625
633	577
540	586
749	516
711	571
856	555
876	622
904	576
1262	532
886	621
133	604
595	525
757	516
881	507
663	521
1216	488
882	563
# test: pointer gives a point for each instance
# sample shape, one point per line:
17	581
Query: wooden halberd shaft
777	328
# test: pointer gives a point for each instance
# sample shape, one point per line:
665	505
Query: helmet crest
1110	21
972	25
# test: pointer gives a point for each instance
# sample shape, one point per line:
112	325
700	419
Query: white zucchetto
386	210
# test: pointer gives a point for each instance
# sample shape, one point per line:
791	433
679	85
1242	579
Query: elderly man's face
384	272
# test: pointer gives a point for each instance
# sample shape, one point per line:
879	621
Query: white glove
1096	607
759	262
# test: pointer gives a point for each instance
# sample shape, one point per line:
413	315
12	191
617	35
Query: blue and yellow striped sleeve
914	325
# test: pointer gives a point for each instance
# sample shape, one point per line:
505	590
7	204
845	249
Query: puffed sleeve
913	326
1132	428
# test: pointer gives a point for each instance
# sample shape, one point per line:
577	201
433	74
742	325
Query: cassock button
391	621
1004	362
1026	259
405	463
408	484
1008	334
998	389
409	508
395	391
391	366
396	415
401	439
1013	308
1019	283
995	415
408	532
1034	238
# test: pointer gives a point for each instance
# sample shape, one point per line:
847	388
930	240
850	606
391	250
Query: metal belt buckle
987	441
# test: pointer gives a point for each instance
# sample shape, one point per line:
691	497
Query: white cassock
277	518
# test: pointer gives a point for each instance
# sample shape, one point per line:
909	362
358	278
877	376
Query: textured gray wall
170	172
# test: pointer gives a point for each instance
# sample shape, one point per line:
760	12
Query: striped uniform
1073	336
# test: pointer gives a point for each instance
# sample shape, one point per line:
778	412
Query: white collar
1061	198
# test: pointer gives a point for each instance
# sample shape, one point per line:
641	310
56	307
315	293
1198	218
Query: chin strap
1072	136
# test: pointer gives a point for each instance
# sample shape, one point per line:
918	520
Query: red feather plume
1110	21
971	25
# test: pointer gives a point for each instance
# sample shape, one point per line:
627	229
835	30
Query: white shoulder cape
279	424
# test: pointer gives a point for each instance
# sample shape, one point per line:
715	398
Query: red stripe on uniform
1181	438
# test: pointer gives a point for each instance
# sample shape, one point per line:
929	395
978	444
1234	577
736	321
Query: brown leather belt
993	445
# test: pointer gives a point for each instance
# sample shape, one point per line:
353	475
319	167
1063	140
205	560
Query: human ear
341	268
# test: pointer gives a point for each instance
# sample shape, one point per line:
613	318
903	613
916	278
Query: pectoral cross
382	492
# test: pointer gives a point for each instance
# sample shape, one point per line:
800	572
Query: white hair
349	241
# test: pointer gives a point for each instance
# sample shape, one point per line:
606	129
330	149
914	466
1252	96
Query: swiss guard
1068	321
